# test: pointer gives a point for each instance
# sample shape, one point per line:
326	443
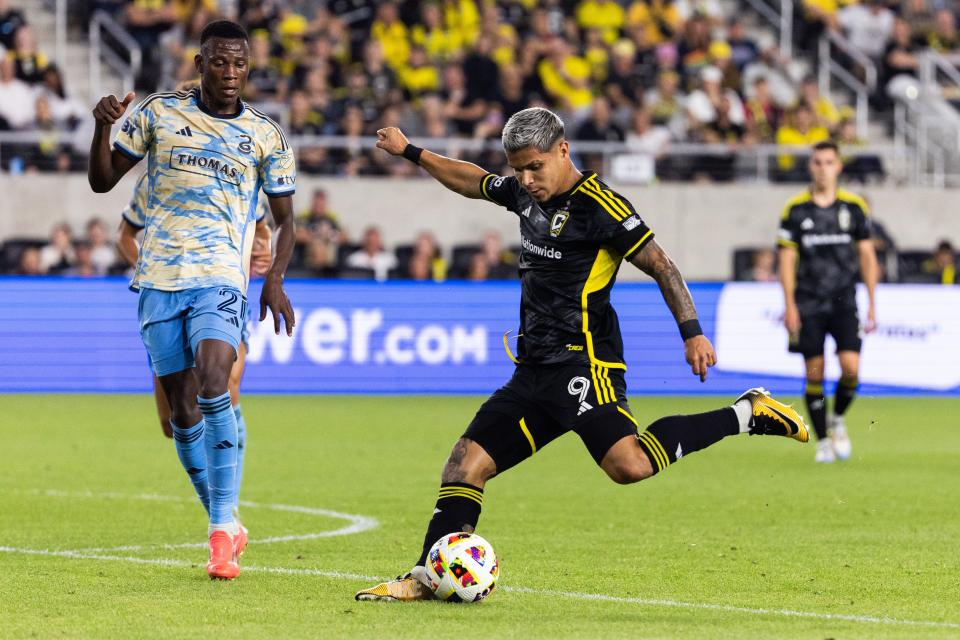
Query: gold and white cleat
773	418
404	588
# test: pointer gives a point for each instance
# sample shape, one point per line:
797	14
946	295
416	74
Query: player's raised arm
272	295
459	176
655	262
106	165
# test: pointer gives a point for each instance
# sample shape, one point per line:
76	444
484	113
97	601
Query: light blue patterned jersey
134	214
201	190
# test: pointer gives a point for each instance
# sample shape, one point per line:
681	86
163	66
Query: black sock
846	392
669	439
458	509
817	408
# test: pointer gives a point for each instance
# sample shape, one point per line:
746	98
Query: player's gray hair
534	127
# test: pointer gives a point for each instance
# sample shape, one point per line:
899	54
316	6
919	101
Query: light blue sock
193	456
221	444
241	447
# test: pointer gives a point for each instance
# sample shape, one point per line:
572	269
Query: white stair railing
830	68
102	23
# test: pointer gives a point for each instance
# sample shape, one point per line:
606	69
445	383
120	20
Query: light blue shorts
172	323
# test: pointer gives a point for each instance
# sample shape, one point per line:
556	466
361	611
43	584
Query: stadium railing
684	160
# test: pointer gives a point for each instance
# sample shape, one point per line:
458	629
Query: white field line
363	523
356	523
571	595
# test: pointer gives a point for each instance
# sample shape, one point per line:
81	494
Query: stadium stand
681	90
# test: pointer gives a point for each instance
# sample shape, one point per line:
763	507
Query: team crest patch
558	221
843	218
631	223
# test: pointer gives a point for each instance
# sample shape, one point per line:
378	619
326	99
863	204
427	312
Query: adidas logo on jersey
185	132
526	212
584	407
807	224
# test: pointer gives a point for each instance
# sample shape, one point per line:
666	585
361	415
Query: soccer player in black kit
575	232
824	244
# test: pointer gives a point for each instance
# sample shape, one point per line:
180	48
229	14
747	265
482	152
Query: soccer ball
462	567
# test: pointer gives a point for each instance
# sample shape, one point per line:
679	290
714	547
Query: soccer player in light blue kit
208	156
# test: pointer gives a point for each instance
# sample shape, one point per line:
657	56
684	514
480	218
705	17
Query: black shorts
540	403
837	316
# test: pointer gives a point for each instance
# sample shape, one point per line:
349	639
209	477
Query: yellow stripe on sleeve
483	188
639	244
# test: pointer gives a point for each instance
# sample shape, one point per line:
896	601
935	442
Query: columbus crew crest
843	218
558	221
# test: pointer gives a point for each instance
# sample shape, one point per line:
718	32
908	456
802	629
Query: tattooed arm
655	262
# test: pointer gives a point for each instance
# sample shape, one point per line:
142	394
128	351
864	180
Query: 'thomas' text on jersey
572	247
825	239
203	182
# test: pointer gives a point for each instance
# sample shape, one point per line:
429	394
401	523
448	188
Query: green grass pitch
746	540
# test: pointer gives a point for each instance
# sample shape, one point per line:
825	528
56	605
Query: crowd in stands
33	96
324	248
647	73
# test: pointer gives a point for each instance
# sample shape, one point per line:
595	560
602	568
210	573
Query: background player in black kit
575	232
824	244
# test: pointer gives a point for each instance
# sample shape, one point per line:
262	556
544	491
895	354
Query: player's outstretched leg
457	509
669	439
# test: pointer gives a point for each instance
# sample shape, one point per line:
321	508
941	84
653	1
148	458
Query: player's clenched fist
109	109
392	140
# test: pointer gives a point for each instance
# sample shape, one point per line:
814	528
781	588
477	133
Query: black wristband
690	329
412	153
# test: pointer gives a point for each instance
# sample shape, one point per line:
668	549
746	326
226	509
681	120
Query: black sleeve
501	190
788	234
861	225
619	225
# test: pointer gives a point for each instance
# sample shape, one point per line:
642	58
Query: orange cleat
240	540
223	558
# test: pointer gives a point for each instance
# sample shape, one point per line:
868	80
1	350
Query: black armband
690	329
412	153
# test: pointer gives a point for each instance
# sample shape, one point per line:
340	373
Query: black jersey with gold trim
572	247
825	239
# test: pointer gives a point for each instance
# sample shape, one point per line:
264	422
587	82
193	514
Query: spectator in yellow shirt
605	15
392	35
659	19
824	110
800	129
439	43
463	18
566	77
419	76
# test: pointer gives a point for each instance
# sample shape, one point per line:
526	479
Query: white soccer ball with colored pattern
462	567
